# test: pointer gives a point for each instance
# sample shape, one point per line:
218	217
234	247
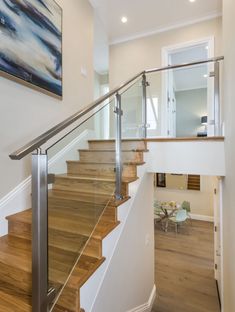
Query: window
152	113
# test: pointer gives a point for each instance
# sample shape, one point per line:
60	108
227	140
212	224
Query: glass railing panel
154	105
181	102
132	145
132	108
81	177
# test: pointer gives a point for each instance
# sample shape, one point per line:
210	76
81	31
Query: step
58	225
15	263
20	225
12	299
91	185
97	169
110	144
79	208
109	155
15	269
85	267
99	199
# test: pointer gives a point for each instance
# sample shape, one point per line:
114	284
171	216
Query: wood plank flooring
184	273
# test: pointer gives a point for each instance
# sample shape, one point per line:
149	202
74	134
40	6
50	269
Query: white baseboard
202	218
147	307
15	201
19	198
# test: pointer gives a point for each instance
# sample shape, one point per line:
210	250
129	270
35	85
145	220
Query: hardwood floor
184	269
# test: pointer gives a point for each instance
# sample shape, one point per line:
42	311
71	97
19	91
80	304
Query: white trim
190	89
67	148
13	193
123	39
186	44
202	217
147	307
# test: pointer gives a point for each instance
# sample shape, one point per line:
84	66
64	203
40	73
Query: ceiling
151	16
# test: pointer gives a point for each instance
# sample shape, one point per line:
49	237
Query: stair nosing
112	150
90	178
132	163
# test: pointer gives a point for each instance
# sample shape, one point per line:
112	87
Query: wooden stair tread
10	301
85	267
136	163
12	290
113	140
68	224
16	252
104	228
86	197
23	216
88	178
111	150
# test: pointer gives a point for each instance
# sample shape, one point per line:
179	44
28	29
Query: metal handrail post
217	110
144	106
118	146
39	233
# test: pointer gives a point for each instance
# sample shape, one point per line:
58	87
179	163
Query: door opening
188	92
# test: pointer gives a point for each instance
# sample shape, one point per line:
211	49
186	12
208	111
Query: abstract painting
31	43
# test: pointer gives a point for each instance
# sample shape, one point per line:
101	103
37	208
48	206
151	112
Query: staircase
76	199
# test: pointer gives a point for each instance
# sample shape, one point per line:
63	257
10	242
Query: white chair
179	218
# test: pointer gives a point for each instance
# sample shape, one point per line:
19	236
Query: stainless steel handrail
42	139
210	60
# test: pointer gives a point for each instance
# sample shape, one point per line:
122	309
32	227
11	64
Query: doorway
187	104
188	257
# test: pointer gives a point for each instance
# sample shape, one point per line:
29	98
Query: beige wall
129	58
25	114
229	183
201	202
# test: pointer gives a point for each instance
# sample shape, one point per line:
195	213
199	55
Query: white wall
187	157
201	202
229	182
125	280
25	113
132	57
129	280
101	46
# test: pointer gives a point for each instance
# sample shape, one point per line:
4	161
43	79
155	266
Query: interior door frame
166	51
218	200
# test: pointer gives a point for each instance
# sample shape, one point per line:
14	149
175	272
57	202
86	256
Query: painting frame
161	179
32	84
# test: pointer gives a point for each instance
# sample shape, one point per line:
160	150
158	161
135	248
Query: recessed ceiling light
192	1
124	19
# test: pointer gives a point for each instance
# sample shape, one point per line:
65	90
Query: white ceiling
150	16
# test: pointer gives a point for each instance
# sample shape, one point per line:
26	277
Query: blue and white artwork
31	42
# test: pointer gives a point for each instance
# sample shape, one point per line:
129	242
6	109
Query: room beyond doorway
184	270
188	92
188	242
